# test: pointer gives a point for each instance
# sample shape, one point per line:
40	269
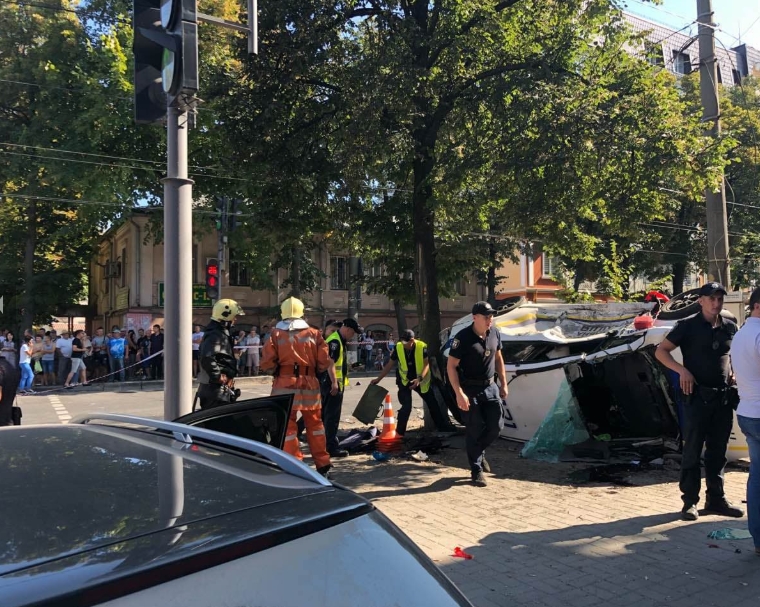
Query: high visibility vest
341	369
419	362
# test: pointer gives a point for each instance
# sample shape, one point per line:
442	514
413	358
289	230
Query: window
123	268
549	265
338	274
737	76
653	53
374	270
681	63
460	286
238	274
720	77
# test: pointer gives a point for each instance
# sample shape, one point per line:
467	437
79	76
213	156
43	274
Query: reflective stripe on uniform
317	432
342	381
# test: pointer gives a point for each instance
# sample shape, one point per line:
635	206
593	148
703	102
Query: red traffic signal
212	279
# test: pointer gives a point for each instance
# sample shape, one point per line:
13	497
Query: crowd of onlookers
46	358
247	346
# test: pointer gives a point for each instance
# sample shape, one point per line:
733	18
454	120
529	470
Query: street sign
199	296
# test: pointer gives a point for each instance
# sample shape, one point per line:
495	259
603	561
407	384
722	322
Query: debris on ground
420	456
730	534
458	552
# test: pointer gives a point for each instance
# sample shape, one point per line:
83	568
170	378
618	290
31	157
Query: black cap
407	335
484	308
352	324
711	288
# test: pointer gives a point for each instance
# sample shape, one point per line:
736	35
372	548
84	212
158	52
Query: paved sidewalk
539	540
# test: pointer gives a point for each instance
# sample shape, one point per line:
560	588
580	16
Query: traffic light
150	99
179	65
165	41
212	279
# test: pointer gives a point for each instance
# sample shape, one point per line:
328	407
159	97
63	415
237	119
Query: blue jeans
751	428
27	376
117	365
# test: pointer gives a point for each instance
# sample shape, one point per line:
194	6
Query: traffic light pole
178	241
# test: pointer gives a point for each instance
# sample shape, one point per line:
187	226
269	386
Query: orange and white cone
389	440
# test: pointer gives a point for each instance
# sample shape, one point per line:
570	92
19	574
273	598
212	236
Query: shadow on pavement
646	560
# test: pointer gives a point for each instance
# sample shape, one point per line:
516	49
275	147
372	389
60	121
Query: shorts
76	365
196	354
48	366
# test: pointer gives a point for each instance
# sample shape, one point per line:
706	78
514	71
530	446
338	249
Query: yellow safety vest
419	362
341	374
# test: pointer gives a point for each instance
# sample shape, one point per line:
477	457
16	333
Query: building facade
127	287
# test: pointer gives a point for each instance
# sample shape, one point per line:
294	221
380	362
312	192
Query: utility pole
178	241
221	232
717	224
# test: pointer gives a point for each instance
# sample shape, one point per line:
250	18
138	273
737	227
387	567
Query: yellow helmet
225	310
291	308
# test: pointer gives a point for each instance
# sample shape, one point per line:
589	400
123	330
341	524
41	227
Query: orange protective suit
296	355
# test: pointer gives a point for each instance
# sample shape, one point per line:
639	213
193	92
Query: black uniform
477	368
9	381
405	394
217	357
707	417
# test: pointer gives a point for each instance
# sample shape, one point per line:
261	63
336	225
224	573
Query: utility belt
728	395
295	371
476	383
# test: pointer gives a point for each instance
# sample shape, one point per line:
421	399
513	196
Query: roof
86	504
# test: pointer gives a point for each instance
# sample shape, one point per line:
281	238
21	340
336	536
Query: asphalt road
63	405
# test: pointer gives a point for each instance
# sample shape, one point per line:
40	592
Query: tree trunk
491	275
27	318
679	275
578	276
400	316
426	282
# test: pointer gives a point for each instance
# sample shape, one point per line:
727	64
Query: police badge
455	344
488	353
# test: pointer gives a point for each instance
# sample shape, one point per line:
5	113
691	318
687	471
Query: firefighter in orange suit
296	354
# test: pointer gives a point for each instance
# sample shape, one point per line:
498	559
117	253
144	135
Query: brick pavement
539	540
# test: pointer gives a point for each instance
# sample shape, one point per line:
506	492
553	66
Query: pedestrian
48	361
369	350
241	352
37	360
254	352
336	344
217	357
99	354
413	373
296	353
8	351
197	338
704	376
25	364
143	342
745	358
64	346
117	351
474	359
77	360
9	383
157	348
132	349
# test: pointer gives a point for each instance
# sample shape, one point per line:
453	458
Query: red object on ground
462	554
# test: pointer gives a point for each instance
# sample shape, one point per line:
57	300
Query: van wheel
680	306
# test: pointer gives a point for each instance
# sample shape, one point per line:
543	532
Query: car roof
84	504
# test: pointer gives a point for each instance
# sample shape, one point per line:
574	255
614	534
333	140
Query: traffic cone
389	440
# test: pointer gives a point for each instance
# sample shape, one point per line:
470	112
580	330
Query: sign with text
199	296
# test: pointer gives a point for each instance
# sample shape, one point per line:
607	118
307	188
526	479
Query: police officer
474	359
332	406
707	419
410	356
217	358
9	382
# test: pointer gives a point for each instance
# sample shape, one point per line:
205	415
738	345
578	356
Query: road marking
60	410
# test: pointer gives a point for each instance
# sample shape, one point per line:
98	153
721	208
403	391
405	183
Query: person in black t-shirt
704	376
9	382
474	359
407	356
157	345
77	362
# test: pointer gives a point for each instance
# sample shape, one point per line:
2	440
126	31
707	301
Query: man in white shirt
197	339
64	345
745	359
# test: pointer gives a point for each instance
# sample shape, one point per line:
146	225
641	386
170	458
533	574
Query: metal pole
717	224
221	242
178	295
